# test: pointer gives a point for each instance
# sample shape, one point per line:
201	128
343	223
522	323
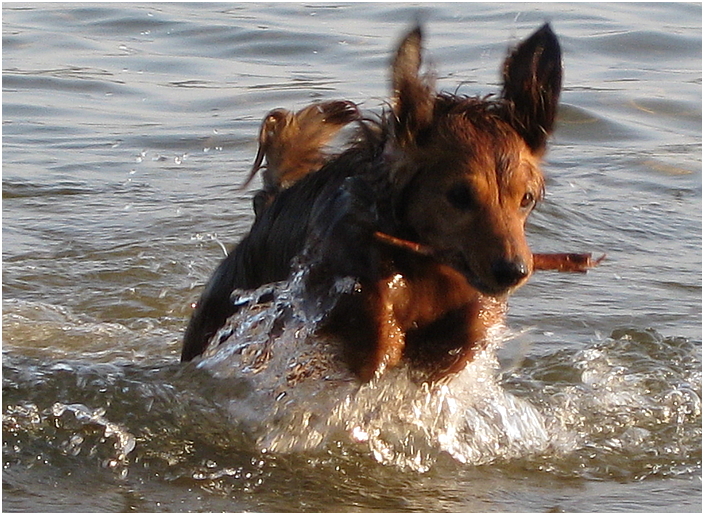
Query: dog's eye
528	200
461	196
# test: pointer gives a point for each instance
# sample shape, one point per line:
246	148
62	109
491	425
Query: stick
561	262
566	262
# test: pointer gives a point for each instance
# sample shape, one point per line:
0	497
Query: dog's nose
509	273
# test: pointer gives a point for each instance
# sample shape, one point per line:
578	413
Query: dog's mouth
476	280
507	275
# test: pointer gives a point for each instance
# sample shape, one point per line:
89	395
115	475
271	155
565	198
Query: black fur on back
297	216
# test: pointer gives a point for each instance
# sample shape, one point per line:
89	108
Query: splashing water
627	406
611	401
84	428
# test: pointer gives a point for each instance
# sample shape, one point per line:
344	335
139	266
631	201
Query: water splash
626	407
80	430
632	402
304	399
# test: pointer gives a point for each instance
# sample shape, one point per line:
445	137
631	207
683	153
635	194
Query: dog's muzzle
504	275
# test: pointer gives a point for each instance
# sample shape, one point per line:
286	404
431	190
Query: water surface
126	131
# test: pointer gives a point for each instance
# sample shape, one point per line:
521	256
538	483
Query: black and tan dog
426	211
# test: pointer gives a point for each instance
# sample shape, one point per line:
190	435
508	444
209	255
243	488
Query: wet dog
425	211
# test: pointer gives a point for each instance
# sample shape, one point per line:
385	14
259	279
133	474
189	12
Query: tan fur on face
498	169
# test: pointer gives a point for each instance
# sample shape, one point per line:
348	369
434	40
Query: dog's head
465	171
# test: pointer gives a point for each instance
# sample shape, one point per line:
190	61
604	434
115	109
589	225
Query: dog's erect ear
413	95
532	78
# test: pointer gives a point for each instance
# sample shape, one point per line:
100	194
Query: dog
425	211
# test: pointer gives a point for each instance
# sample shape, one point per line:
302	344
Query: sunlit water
126	131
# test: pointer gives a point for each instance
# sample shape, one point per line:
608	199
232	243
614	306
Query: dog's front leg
481	318
385	300
343	245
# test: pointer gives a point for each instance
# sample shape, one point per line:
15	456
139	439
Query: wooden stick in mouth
412	246
566	261
560	261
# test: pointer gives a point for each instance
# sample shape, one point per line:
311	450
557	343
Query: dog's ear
532	78
413	94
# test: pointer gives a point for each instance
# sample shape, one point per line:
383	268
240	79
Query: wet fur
458	175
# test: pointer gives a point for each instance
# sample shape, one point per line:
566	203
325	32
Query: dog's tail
293	144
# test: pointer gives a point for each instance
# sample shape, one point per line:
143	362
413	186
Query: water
126	131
